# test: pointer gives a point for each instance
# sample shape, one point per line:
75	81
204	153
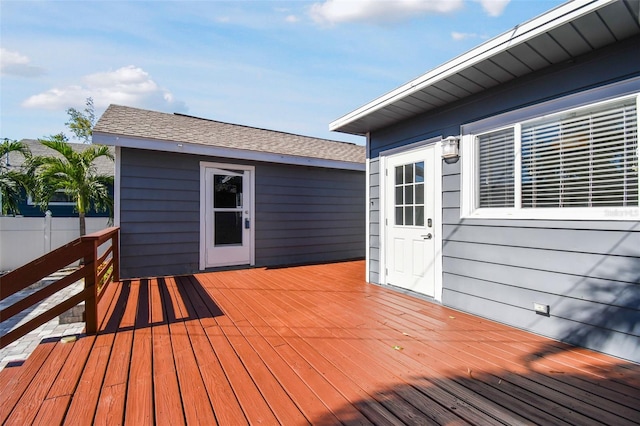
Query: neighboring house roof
139	128
104	166
563	33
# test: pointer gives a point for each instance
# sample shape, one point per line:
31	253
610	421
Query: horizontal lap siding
303	214
588	272
159	214
374	221
307	214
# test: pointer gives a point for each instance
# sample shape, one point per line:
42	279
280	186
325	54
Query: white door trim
205	165
437	234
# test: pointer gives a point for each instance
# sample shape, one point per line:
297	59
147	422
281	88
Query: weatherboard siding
302	214
307	214
159	213
588	272
374	220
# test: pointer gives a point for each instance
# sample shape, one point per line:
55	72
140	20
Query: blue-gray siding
303	214
374	220
587	271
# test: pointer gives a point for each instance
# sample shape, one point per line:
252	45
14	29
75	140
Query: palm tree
75	174
12	181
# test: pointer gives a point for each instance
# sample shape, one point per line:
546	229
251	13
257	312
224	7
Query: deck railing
96	269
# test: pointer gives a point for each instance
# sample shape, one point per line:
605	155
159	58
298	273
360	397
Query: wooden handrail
97	272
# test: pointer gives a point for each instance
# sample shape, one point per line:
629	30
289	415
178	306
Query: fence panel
23	239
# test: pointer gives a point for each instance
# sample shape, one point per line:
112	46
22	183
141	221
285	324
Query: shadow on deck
312	344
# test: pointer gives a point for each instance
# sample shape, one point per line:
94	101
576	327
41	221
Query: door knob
427	237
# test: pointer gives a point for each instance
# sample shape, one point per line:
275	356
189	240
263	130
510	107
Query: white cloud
291	19
14	63
378	11
461	36
464	36
130	85
494	7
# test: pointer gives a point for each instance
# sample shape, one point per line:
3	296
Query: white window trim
469	172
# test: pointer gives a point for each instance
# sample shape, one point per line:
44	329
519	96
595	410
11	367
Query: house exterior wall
67	210
587	271
302	214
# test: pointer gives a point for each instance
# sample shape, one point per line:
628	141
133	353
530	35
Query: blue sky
291	66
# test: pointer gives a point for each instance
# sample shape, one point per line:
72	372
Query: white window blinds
583	159
496	168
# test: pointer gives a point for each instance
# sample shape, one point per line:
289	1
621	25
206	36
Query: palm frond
13	182
75	173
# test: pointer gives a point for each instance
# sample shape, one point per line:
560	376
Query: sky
291	66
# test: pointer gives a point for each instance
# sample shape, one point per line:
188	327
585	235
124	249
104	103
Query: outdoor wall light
450	153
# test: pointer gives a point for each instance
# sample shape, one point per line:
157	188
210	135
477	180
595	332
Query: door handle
427	237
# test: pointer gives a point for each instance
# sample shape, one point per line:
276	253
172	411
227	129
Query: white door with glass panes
228	221
409	221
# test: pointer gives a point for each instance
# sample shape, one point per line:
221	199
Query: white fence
23	239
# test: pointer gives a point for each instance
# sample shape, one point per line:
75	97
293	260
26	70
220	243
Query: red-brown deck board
308	345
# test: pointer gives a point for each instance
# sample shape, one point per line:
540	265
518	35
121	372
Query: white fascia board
554	18
215	151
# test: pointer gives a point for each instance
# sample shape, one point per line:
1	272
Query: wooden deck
312	344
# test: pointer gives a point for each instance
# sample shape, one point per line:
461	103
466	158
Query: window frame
414	205
469	203
31	202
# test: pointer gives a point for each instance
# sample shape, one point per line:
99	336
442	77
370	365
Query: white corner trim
438	285
382	231
367	222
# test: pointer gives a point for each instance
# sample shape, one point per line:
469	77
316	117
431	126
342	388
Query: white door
410	248
227	217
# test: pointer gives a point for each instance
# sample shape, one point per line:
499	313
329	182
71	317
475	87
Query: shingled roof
104	165
128	122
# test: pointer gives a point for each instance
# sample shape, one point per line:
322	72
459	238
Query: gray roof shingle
139	123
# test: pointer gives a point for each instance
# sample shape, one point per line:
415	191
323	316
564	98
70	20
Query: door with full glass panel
227	217
409	221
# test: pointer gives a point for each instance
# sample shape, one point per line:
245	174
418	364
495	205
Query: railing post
91	287
84	249
115	246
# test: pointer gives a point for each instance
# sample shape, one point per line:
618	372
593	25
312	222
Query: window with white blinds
496	168
582	158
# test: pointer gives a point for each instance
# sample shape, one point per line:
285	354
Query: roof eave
223	152
355	122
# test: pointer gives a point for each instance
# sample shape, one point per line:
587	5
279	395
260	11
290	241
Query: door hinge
386	271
